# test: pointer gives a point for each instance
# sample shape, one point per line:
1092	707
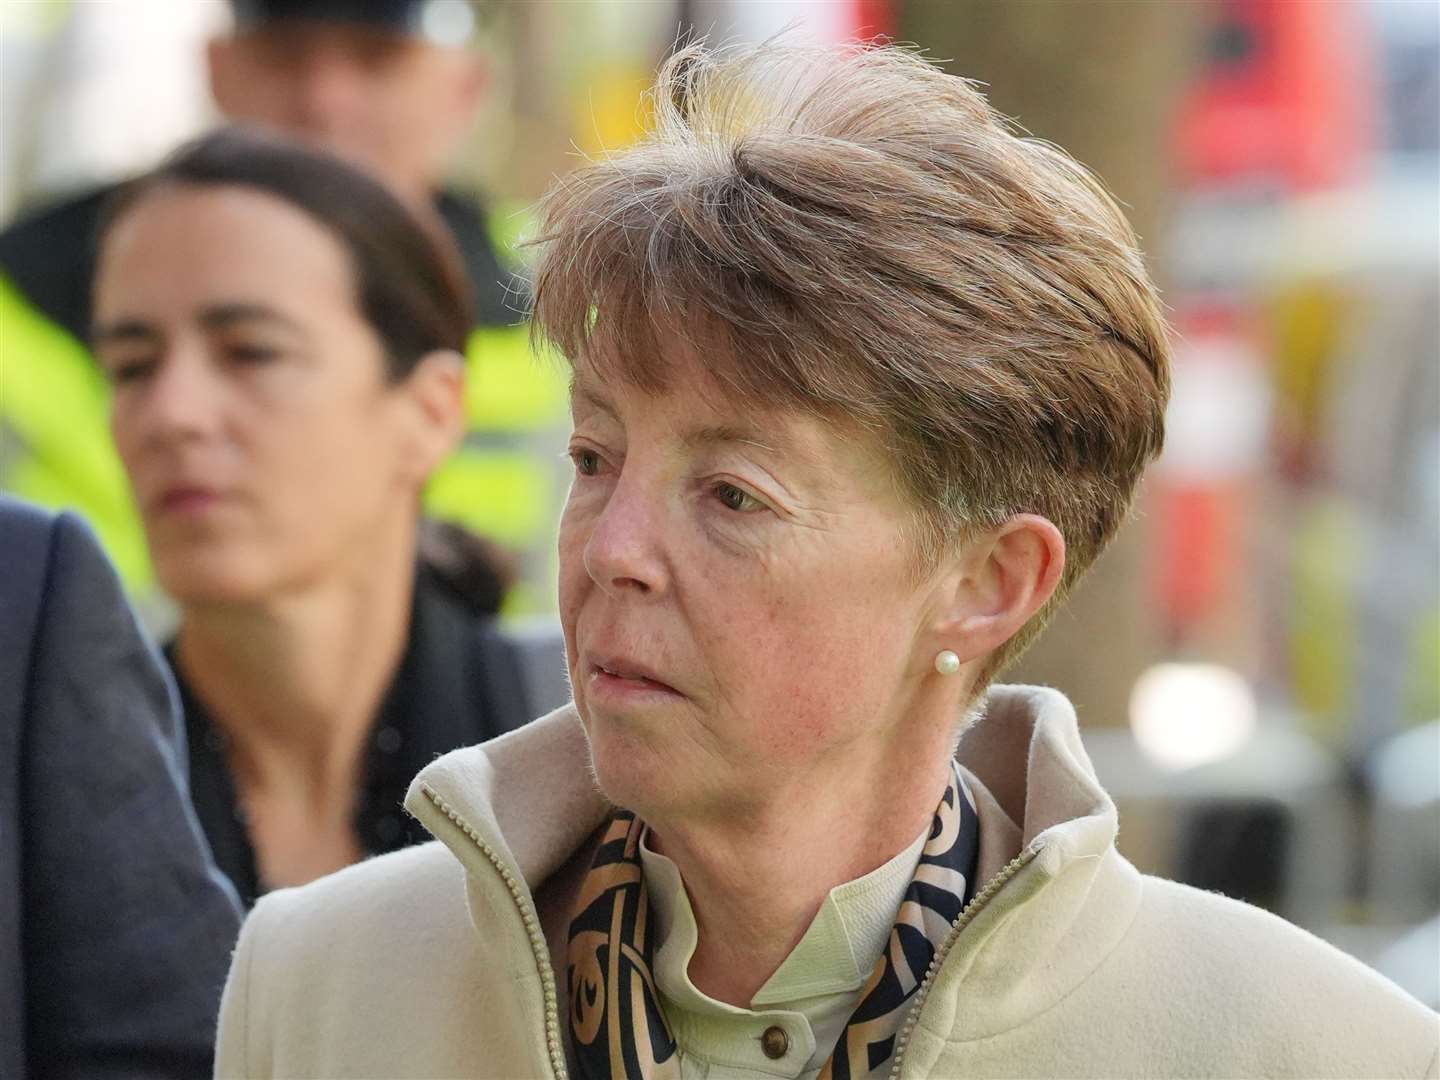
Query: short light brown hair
852	232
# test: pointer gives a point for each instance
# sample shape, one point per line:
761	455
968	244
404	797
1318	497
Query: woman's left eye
131	370
252	354
737	499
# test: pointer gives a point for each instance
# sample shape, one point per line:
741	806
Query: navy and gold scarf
617	1026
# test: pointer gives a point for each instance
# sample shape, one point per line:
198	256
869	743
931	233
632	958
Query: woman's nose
179	403
624	553
330	93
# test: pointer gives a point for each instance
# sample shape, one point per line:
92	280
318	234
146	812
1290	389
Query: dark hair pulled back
410	282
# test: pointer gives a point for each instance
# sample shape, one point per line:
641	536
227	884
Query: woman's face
250	409
739	600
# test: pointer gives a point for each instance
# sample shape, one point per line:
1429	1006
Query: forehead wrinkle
583	388
723	434
772	438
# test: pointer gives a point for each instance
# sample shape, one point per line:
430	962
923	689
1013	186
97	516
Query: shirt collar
811	994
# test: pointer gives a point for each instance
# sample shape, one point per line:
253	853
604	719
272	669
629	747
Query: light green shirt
810	996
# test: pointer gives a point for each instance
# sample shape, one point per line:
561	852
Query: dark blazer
115	926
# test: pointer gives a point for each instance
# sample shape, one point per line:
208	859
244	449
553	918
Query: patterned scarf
617	1026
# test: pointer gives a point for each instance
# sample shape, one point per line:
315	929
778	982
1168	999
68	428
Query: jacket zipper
962	920
532	927
541	949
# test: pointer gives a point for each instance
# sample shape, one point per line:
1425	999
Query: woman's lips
624	679
604	686
187	501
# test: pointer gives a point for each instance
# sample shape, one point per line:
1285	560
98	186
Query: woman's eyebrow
581	390
599	404
223	316
123	331
129	330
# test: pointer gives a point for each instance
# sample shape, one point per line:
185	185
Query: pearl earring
946	662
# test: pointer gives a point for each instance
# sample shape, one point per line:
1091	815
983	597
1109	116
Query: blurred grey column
1404	776
1404	885
1102	79
1269	824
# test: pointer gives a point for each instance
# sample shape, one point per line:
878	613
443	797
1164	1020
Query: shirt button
775	1043
388	740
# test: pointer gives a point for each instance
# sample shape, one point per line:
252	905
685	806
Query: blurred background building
1257	660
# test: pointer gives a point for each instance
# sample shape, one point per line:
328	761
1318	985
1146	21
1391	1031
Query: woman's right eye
587	461
130	370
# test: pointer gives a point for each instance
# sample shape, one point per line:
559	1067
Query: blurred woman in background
285	340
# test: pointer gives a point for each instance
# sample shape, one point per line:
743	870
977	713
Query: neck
294	679
757	882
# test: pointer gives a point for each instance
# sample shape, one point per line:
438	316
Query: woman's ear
1003	578
435	395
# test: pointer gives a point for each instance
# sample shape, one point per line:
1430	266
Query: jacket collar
1069	903
1026	752
530	797
533	796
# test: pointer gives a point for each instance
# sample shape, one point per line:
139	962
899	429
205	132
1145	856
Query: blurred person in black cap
391	85
387	84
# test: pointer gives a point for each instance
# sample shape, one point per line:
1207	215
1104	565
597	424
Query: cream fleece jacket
440	961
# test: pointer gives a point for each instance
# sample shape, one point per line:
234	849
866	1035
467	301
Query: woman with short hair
862	383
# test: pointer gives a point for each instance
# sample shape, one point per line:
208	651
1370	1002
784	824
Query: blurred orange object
1203	488
1286	96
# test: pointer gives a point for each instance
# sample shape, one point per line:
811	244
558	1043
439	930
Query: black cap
445	22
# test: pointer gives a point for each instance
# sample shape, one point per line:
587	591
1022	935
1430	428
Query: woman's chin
632	762
196	579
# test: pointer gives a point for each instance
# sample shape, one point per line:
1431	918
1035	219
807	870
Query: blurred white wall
94	91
